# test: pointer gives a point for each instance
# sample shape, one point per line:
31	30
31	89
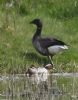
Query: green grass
60	20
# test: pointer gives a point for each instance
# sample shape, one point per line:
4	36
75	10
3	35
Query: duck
33	70
47	46
39	74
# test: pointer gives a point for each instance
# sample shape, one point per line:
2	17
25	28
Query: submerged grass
56	87
60	19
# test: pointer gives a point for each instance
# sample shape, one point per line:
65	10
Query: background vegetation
60	20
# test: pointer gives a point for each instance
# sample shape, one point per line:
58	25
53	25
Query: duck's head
36	22
30	71
49	66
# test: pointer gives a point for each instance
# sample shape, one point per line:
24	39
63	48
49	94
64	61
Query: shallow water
58	86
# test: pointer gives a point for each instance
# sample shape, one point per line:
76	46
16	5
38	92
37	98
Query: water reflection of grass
58	87
60	20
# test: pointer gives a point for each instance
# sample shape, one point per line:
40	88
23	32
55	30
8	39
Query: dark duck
46	46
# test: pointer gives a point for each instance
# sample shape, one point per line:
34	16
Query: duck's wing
47	42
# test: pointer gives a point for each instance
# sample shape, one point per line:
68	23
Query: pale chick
39	74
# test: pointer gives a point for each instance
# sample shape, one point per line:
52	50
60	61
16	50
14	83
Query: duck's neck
38	31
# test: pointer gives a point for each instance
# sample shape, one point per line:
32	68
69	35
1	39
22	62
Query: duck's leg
50	58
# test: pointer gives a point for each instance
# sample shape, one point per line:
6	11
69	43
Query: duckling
40	74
